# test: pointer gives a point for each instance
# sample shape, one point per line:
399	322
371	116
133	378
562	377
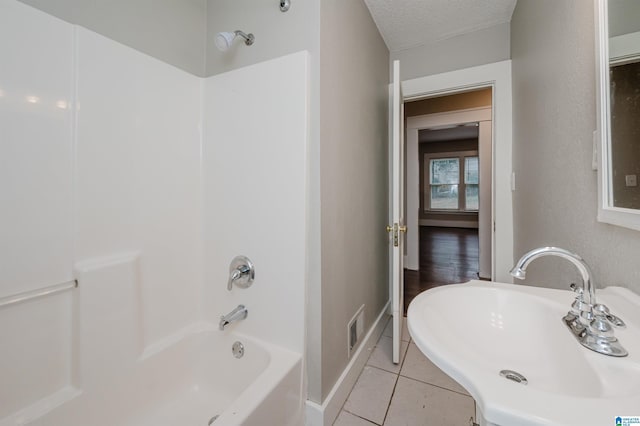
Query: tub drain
238	349
514	376
213	419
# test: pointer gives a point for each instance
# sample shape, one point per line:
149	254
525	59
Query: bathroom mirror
618	94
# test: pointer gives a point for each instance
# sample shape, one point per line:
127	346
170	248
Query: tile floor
414	392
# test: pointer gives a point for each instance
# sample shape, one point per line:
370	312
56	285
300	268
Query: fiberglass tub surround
510	348
188	379
117	165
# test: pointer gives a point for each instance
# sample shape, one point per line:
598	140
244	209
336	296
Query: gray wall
464	51
172	31
182	33
623	17
554	101
276	33
354	82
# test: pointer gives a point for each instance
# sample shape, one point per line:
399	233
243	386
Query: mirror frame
607	213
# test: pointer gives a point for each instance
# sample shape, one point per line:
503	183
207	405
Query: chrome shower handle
241	273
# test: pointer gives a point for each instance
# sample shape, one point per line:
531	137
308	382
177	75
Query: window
471	168
452	183
445	179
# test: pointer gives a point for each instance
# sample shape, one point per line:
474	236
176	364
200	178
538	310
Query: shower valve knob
241	273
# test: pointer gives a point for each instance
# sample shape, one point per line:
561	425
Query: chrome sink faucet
520	270
591	323
237	314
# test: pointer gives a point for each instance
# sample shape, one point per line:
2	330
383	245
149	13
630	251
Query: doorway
452	190
447	256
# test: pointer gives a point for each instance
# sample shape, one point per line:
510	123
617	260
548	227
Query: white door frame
497	76
483	117
398	221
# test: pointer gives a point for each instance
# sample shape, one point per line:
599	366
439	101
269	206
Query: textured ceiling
409	23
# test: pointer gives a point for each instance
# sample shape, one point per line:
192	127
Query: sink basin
475	330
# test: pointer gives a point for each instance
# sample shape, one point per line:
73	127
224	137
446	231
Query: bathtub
185	380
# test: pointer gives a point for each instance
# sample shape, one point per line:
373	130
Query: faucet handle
600	325
241	272
603	310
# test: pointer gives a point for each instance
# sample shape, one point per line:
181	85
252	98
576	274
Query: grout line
360	417
357	415
439	387
359	375
401	363
395	385
381	369
398	365
433	384
393	393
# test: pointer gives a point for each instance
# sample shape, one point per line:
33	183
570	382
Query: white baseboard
325	414
449	223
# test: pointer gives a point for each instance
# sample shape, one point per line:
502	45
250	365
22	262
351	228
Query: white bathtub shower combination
188	382
186	378
119	171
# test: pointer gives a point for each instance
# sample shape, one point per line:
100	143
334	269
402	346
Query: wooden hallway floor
447	256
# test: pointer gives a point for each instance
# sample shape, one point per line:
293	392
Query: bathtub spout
237	314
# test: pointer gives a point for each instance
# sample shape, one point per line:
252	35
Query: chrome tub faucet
237	314
590	322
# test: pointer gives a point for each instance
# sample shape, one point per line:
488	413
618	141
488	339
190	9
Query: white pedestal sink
473	331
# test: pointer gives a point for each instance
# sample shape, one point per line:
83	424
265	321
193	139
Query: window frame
462	187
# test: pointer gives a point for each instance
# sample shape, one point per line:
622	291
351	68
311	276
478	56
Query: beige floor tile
381	356
419	367
418	404
388	330
371	394
347	419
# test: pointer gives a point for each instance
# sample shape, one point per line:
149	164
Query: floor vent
355	330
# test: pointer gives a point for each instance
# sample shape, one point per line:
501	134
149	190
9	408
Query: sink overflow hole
213	419
514	376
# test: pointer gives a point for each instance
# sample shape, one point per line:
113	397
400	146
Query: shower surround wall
138	177
36	196
104	179
255	178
